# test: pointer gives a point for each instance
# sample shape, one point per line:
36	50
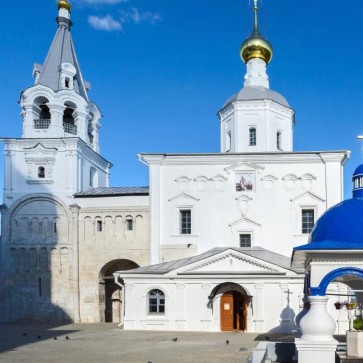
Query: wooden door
227	312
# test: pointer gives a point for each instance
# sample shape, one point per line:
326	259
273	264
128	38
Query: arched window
252	136
41	172
156	302
278	140
68	120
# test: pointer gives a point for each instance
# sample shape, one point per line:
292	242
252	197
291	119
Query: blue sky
160	70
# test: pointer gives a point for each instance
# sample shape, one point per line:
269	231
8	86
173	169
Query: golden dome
64	4
256	46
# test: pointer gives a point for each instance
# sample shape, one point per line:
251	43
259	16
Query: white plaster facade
283	184
64	231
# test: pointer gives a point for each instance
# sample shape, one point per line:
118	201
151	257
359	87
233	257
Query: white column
258	304
317	343
81	122
155	216
56	122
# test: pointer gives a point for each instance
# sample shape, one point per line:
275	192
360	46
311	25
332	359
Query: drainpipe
117	276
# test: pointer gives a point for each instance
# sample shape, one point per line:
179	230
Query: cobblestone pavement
107	343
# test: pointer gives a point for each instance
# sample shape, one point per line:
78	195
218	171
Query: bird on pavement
67	337
227	342
55	338
175	339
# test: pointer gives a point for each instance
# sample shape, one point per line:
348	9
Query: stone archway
233	306
110	305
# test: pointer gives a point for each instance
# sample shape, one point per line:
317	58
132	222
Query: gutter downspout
117	276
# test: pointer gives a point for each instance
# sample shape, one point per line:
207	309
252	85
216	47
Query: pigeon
39	337
227	342
67	337
175	339
267	338
55	338
25	334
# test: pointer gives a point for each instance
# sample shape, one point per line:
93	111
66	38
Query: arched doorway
110	293
233	307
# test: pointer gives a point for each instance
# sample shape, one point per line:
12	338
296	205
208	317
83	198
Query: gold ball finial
256	46
64	4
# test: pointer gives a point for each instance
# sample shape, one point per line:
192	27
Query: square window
185	221
307	220
245	240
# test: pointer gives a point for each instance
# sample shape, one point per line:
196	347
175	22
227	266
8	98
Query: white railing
41	124
70	129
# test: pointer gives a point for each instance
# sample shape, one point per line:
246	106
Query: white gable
231	261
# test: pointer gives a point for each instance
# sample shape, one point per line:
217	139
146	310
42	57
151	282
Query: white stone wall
283	185
66	162
275	303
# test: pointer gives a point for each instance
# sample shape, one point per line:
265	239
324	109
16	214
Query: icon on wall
244	182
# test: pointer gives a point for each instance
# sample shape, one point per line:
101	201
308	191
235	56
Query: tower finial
256	46
255	27
64	4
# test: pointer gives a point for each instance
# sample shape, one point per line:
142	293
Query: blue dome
341	227
358	171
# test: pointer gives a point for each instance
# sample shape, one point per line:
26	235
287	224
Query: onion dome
64	4
256	46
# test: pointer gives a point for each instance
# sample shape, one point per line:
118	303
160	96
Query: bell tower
256	119
59	151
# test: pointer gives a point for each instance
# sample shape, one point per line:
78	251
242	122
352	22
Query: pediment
231	261
244	220
243	166
184	196
40	149
308	195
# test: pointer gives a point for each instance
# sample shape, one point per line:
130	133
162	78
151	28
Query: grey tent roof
256	252
258	93
61	51
113	191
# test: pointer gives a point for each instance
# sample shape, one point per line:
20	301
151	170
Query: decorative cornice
183	195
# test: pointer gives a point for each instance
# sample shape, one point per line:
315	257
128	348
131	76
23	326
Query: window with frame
245	240
278	140
156	302
307	220
253	136
185	216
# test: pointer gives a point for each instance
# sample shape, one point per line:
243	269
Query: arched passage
233	306
110	292
335	275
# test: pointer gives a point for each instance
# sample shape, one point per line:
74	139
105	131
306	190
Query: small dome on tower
64	4
256	46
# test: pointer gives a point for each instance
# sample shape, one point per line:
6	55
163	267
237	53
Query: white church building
205	247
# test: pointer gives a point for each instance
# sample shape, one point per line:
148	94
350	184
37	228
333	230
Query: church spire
61	69
256	52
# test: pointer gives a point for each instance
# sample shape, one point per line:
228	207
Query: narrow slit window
253	136
40	287
41	172
129	224
66	82
99	226
55	228
278	140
